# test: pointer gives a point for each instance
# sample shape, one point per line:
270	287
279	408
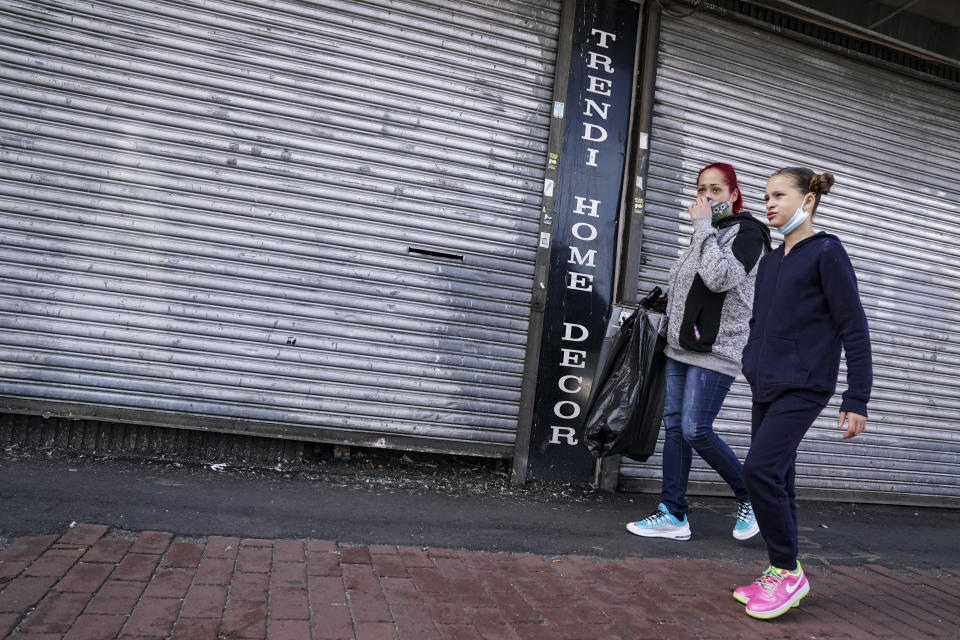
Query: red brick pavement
96	584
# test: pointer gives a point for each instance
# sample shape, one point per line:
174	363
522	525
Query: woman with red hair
708	311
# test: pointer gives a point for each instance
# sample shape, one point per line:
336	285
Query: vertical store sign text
580	229
598	90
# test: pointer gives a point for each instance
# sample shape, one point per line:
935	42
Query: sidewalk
94	582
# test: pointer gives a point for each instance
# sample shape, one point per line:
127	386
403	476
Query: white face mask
798	217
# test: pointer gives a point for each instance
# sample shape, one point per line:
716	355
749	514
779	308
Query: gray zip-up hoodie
710	299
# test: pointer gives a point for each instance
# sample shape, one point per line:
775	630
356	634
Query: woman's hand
700	208
856	423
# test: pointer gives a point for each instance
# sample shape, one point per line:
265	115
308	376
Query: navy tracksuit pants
770	469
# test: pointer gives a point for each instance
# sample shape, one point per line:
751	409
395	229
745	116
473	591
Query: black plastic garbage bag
626	409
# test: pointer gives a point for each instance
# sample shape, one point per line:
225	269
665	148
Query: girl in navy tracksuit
806	307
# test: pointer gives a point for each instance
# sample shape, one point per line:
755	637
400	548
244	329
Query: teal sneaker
746	526
662	524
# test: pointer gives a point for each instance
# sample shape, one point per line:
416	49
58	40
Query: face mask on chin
798	217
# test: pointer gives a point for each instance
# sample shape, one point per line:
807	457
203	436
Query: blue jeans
693	399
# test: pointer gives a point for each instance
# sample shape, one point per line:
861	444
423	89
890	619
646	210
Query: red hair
729	179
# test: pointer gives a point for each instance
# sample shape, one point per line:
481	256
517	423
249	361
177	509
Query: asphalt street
479	511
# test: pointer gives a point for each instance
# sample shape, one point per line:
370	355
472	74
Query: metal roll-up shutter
728	92
305	219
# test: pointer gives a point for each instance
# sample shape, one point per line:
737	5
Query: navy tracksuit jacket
806	306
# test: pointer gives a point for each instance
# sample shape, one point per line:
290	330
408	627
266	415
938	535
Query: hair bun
821	183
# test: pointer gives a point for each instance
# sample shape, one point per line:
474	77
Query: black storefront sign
583	234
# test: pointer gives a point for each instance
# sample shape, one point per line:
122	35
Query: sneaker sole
746	535
742	600
672	535
782	609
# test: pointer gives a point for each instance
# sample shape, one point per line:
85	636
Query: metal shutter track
894	144
307	219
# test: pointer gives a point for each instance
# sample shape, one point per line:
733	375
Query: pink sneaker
778	591
743	594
